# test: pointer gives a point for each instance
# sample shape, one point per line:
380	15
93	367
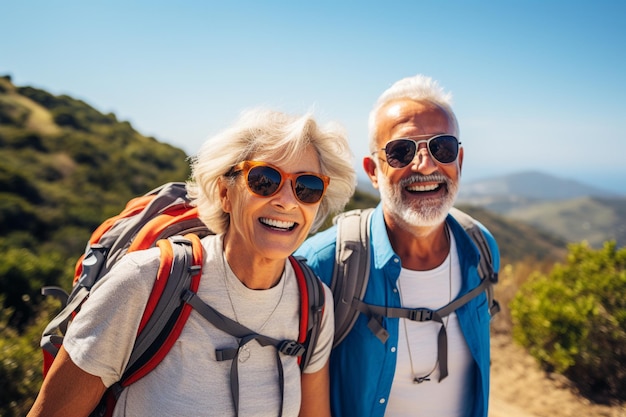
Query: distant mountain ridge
519	186
531	185
563	207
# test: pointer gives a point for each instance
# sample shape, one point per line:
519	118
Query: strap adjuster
291	348
187	295
194	270
420	314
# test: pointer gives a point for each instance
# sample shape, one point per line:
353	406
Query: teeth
417	187
277	223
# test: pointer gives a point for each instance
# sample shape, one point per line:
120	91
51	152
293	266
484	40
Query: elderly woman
262	186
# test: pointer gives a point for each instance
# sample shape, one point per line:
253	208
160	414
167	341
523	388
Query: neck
256	273
419	248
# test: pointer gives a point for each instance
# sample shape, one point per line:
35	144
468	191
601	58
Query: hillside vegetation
64	167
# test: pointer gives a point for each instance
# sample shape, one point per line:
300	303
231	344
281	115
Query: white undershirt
450	397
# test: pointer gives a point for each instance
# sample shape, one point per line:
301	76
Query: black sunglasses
401	152
265	180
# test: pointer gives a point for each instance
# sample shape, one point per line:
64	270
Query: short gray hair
274	137
418	88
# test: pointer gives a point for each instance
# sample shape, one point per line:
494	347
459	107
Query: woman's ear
224	192
369	165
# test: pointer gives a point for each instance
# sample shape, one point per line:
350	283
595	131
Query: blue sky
537	85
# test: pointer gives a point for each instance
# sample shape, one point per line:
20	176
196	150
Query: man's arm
67	390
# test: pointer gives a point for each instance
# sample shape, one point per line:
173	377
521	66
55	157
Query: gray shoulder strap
352	264
167	308
313	317
485	267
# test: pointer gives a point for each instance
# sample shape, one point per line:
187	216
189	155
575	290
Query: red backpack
164	218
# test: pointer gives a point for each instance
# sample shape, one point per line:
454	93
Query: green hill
594	219
517	240
64	167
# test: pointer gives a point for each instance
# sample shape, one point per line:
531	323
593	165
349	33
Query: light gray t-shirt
189	381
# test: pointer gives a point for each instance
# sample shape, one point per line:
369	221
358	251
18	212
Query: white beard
419	213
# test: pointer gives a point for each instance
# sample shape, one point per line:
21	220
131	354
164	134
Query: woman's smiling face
270	227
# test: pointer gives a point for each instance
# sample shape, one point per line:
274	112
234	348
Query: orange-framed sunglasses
265	180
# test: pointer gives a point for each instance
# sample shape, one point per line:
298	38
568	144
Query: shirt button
395	290
396	260
393	349
382	401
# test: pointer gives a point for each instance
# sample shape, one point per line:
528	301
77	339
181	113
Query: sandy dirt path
520	389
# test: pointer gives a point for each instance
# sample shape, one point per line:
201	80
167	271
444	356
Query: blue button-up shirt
361	367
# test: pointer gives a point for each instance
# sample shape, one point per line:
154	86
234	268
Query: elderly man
421	257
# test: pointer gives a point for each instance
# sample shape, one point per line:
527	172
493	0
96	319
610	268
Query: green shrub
21	361
22	274
573	320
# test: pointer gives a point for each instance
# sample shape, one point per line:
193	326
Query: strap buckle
420	314
291	348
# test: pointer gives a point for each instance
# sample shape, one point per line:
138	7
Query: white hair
275	137
418	88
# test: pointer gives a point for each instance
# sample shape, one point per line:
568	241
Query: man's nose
423	162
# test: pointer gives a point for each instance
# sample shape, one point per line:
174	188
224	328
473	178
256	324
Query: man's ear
460	159
224	195
369	165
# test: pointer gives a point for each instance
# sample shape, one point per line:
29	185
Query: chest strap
245	335
376	313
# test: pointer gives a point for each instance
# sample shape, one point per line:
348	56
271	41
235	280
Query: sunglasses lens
309	188
400	152
263	180
444	149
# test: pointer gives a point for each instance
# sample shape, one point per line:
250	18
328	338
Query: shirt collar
380	239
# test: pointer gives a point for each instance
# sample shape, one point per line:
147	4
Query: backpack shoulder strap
312	299
485	267
165	316
352	265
